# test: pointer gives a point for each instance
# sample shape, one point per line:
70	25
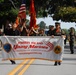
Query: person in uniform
72	39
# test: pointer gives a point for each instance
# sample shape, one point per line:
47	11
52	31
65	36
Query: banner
21	47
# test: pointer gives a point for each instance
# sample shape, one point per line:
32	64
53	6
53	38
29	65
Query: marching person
57	32
7	28
50	31
65	41
7	32
1	32
72	39
24	30
34	31
14	32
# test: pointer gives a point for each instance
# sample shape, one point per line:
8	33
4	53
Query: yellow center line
18	67
26	67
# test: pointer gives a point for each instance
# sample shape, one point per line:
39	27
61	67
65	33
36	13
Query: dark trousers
57	63
72	47
65	41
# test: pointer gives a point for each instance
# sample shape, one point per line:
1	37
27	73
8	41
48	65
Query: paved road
40	67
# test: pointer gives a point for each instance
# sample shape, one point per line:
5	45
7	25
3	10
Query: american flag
22	11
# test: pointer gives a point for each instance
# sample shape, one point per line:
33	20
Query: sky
49	21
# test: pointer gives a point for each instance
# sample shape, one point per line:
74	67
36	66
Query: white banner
41	47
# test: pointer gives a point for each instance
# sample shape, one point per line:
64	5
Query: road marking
18	67
26	67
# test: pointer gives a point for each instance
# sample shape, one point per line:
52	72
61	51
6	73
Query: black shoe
13	62
59	63
55	63
72	52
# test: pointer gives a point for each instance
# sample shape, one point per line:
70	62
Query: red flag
22	12
32	15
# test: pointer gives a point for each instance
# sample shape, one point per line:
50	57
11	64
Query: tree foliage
7	11
64	10
67	14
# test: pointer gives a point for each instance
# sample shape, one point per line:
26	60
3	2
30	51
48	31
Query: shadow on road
69	59
68	63
28	64
68	47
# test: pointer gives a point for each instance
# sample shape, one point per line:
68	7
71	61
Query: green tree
7	11
57	9
64	10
